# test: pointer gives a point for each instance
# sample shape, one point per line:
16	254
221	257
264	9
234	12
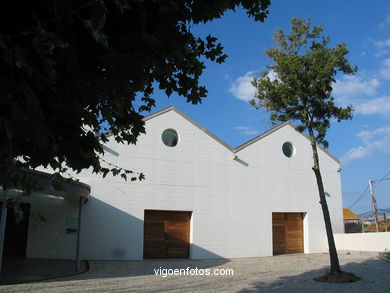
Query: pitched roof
240	147
349	215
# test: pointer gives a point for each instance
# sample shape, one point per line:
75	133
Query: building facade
201	198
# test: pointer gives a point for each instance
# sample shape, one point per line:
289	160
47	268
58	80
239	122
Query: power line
381	180
377	182
366	190
362	195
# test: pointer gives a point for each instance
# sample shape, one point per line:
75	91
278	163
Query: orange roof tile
349	215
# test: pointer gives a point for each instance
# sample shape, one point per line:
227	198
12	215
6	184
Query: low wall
379	241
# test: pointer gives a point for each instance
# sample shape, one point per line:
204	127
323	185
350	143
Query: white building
201	198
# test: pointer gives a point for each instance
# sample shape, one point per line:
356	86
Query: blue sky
363	144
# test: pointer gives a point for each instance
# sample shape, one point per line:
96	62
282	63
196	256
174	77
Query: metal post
2	223
78	235
374	209
385	220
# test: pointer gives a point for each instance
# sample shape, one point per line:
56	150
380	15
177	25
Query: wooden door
154	234
278	233
166	234
294	233
287	233
177	232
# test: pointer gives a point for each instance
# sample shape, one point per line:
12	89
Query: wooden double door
287	233
166	234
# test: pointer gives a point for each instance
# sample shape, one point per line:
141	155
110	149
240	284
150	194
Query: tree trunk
334	259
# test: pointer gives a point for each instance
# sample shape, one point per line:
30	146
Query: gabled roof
349	215
240	147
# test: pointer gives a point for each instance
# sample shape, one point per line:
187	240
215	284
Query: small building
48	218
201	198
352	222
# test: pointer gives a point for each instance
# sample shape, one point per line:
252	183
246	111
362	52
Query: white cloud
352	85
384	23
242	87
375	141
362	93
350	88
272	75
379	106
366	135
247	130
385	70
382	44
354	154
382	47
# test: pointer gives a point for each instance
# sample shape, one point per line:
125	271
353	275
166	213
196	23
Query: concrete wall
231	200
379	241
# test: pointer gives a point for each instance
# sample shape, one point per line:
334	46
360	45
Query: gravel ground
286	273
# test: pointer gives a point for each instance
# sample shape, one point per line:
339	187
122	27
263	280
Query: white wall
289	185
47	223
379	241
231	200
48	238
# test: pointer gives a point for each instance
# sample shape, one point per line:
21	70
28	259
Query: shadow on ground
136	268
280	274
375	274
34	270
20	270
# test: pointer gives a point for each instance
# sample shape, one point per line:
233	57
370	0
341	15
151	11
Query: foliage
298	86
69	67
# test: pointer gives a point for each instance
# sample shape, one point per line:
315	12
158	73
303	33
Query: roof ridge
241	146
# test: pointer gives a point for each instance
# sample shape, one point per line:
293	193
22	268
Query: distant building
352	222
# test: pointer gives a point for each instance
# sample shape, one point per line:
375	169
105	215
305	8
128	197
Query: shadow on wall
374	274
109	233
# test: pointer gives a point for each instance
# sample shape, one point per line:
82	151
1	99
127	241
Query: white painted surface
48	238
231	200
377	241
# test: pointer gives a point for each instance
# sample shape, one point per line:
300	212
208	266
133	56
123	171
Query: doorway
166	234
287	233
15	238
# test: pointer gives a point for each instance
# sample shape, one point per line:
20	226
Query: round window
288	149
170	137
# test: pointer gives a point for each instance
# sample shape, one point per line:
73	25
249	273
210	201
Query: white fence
379	241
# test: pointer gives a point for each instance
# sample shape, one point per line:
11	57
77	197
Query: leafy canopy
69	67
298	86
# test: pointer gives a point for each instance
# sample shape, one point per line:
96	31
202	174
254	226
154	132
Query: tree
298	87
73	71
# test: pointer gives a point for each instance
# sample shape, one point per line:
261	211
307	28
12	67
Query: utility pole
374	209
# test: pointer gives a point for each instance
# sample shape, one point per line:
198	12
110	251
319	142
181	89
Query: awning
71	189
